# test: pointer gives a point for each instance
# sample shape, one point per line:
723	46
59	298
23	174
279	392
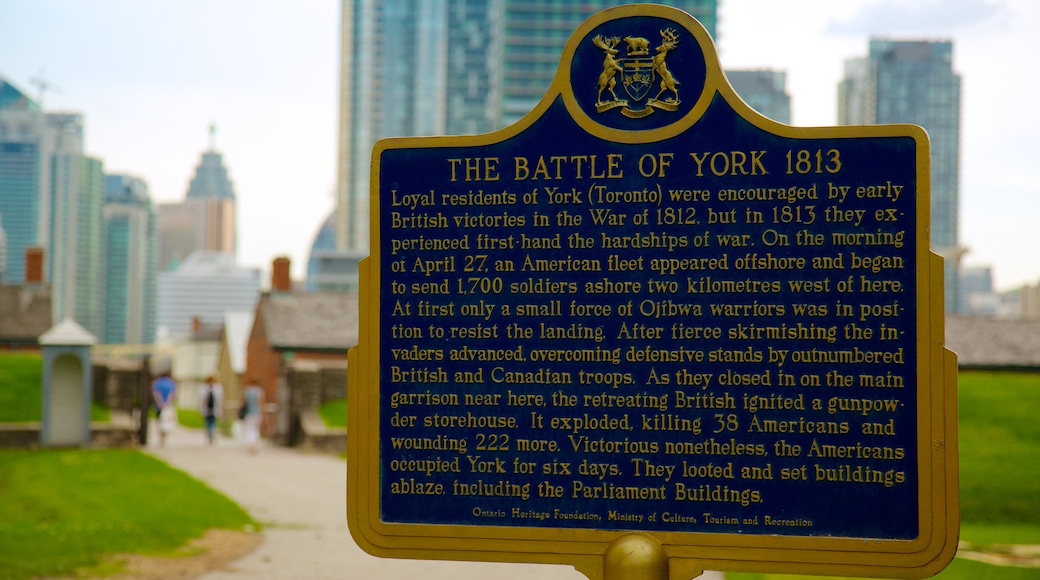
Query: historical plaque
647	309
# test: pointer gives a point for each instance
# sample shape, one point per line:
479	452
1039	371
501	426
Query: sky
151	77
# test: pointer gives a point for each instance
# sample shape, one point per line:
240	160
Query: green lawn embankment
67	510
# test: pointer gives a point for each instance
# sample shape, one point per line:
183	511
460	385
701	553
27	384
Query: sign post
648	320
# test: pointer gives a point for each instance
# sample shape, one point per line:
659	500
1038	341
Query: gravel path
301	500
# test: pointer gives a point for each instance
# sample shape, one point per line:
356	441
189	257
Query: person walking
163	390
211	406
252	413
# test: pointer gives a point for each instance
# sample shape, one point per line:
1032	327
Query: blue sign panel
648	308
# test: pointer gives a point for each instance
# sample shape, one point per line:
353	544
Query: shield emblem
637	76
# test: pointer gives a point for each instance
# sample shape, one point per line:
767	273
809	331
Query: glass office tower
21	129
131	255
434	67
914	82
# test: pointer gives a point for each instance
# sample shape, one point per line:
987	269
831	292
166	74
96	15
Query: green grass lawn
1000	449
999	435
959	569
21	395
63	511
21	398
334	413
190	418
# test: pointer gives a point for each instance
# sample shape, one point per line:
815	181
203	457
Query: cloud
931	17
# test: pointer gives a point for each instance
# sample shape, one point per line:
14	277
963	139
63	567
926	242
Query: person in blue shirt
163	390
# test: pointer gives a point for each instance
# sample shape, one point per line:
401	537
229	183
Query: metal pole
144	398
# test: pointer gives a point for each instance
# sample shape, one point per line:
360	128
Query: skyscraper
194	224
3	251
51	196
130	256
392	83
914	82
534	32
70	207
764	91
418	67
21	135
205	220
474	72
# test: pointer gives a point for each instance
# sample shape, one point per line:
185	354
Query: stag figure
607	82
669	40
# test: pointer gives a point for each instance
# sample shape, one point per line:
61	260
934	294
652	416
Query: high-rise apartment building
474	73
21	163
914	82
205	220
764	91
130	257
70	207
533	34
418	67
3	251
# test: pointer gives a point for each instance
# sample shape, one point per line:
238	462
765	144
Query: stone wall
19	435
316	436
334	381
311	384
119	432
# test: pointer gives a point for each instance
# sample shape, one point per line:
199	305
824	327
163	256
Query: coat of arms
638	71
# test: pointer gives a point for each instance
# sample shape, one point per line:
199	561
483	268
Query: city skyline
270	82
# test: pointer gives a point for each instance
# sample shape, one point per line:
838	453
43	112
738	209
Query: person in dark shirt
211	406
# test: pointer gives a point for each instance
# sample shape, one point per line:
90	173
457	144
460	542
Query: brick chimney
280	281
34	266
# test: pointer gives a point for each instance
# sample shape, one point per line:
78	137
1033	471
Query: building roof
13	98
237	327
318	321
207	263
25	314
68	333
998	343
211	179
